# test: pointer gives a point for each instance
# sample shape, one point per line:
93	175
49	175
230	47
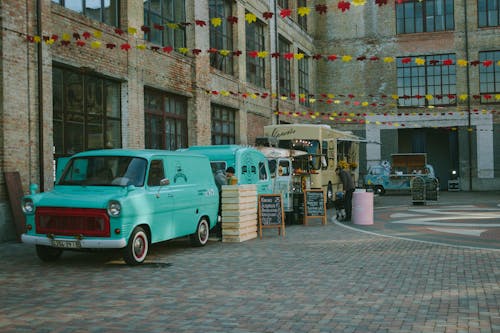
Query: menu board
315	205
271	212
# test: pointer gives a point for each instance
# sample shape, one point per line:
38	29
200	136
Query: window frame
78	108
255	41
284	67
303	73
221	37
421	13
491	75
426	76
223	117
168	14
172	113
485	16
83	10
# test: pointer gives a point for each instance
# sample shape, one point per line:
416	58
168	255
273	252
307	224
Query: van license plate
66	244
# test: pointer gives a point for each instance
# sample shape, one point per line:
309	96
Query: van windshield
105	171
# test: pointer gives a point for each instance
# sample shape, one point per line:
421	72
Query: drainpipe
469	132
277	81
40	95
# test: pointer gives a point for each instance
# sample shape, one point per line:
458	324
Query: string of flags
92	39
349	99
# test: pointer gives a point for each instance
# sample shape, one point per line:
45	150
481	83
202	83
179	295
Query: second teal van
250	165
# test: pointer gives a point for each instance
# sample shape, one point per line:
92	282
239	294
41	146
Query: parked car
125	199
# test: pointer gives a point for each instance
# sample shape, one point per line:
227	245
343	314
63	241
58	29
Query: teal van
119	198
250	165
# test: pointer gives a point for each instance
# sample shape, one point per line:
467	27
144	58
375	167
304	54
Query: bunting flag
82	39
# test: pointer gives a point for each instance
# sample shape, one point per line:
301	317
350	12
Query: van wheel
48	253
200	237
137	248
379	189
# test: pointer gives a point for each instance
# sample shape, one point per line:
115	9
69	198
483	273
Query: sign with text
315	205
271	212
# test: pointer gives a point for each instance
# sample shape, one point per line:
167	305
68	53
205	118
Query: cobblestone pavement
317	278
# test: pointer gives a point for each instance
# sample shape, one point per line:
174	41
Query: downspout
469	129
40	95
277	80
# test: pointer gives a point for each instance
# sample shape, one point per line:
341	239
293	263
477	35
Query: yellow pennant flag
95	44
250	17
216	21
302	11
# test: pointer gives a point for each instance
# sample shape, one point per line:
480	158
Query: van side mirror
33	188
164	181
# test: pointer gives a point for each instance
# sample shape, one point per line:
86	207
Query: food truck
397	174
282	173
324	149
250	165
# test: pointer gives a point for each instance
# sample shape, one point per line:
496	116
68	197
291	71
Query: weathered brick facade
26	97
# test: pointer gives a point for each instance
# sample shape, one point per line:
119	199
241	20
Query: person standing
348	187
222	178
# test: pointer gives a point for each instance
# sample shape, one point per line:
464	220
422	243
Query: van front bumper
81	243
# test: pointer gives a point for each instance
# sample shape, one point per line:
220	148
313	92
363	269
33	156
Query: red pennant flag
119	31
381	2
196	51
237	53
158	27
275	55
125	47
80	42
200	23
65	42
288	56
321	9
253	54
167	49
487	63
110	46
406	60
344	5
285	13
332	57
86	35
317	56
232	19
447	62
267	15
146	29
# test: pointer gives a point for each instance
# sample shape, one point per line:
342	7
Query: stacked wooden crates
239	213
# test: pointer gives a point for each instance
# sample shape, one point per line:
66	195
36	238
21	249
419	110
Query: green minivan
123	198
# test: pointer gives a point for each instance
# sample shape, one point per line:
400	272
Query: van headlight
28	206
114	208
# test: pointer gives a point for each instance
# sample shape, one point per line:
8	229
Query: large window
489	77
221	37
488	13
101	10
424	16
159	13
283	3
302	20
432	82
304	79
223	125
255	42
285	84
165	118
86	112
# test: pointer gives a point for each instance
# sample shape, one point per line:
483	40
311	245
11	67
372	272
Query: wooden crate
239	213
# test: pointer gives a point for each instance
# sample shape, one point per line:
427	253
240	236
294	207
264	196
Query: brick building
78	75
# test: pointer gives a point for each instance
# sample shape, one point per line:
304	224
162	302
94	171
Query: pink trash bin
362	207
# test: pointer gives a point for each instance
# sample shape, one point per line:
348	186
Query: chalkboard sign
271	212
315	205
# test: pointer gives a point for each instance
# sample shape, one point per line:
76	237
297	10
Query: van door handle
170	195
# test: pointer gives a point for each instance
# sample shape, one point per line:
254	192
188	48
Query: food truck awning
358	139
